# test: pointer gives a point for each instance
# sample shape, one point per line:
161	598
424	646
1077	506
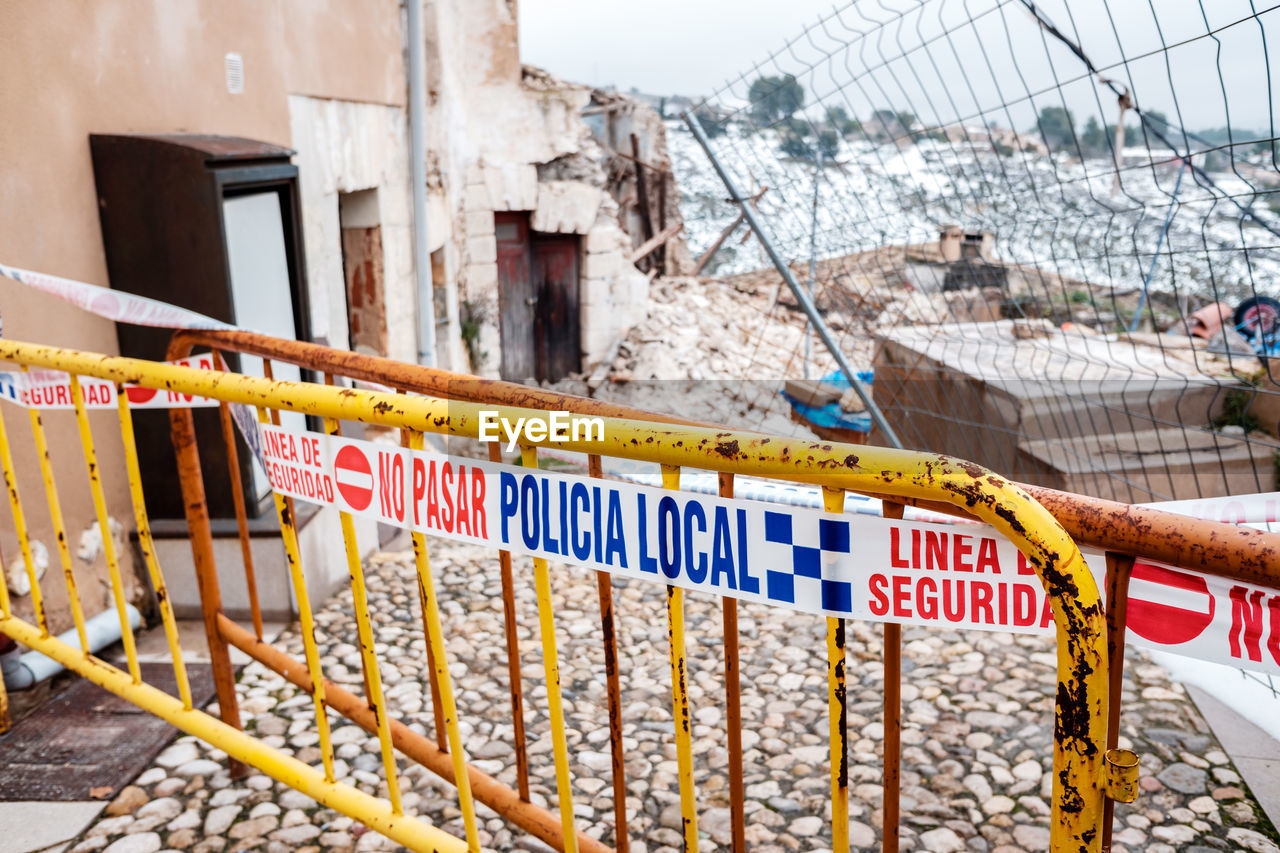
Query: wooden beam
648	246
715	247
642	190
659	169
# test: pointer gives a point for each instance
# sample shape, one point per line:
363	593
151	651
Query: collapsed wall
523	162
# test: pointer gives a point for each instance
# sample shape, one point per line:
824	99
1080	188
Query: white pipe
418	177
28	670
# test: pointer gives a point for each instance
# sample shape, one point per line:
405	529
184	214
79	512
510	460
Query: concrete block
566	207
476	198
512	186
604	265
607	238
38	826
482	279
482	249
596	343
439	222
478	222
637	288
596	292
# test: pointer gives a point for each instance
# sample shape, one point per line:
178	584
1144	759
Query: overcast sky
693	46
659	46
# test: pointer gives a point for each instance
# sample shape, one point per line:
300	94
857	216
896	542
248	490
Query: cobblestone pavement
976	740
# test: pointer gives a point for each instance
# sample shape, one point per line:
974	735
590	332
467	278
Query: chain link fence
1051	230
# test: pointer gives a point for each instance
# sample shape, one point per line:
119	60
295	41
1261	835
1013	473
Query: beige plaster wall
69	68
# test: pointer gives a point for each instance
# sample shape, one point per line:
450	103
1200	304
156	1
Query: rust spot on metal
841	694
728	449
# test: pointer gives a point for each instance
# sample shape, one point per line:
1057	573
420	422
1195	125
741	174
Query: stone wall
509	138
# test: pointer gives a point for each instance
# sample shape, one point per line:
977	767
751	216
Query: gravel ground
976	739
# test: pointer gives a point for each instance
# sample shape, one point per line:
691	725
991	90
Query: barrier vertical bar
680	694
368	657
890	803
604	588
289	534
733	706
4	597
1119	571
59	527
20	529
833	501
242	518
6	722
191	480
133	473
433	683
104	528
513	658
440	661
555	705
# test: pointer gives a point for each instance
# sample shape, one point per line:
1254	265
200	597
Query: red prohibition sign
354	477
1176	614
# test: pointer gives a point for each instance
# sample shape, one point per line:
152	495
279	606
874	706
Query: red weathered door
516	297
556	334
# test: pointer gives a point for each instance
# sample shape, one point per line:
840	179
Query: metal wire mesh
1018	211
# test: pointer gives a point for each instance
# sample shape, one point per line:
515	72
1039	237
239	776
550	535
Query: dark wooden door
556	333
517	297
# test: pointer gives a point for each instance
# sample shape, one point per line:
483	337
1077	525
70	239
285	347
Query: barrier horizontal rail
1080	775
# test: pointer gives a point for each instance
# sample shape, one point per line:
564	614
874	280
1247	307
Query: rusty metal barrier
440	383
1122	531
1080	773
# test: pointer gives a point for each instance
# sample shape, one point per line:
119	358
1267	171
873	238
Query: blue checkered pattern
806	562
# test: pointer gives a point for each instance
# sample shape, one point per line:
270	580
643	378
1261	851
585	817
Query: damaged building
541	193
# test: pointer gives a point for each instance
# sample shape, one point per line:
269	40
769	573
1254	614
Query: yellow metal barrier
1080	775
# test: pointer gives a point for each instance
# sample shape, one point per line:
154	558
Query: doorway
537	301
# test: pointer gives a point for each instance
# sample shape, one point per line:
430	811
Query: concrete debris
722	348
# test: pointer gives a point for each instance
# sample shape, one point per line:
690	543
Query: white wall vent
235	73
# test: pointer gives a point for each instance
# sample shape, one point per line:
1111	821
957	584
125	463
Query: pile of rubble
720	348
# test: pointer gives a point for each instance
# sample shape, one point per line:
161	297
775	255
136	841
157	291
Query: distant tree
839	121
889	125
775	98
829	142
1057	127
1094	138
795	142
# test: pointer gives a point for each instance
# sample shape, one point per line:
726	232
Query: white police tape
114	304
859	567
51	389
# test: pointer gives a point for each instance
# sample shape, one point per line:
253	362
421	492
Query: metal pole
813	255
418	177
806	304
